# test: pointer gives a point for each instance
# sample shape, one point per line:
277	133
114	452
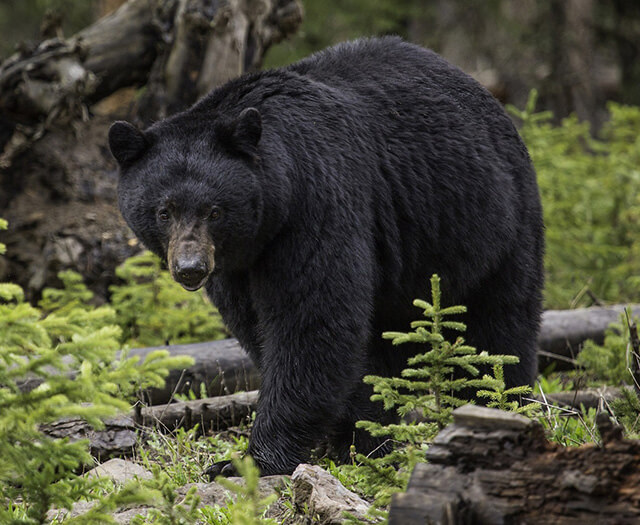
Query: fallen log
213	413
181	48
564	331
223	367
493	467
122	434
219	368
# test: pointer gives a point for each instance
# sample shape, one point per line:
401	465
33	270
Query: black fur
362	170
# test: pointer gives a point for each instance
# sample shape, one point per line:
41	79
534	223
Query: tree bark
192	46
493	467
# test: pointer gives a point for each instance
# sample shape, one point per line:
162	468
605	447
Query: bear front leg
315	323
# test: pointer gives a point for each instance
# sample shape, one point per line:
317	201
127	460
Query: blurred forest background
568	70
578	54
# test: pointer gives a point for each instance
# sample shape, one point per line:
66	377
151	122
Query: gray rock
324	496
119	471
121	516
215	494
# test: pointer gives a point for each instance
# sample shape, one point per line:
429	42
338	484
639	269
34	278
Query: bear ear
127	143
242	134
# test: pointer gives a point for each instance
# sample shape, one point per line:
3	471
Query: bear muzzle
190	263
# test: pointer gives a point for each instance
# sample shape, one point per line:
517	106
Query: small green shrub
427	386
570	427
72	352
609	362
627	412
150	308
183	453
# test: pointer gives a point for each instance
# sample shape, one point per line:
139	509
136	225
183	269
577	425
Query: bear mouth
192	287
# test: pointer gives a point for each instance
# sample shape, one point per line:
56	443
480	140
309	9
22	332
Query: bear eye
215	213
163	214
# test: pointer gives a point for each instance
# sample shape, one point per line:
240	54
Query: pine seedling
430	383
431	387
73	294
503	398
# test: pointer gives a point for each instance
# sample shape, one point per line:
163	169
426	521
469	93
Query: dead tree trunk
57	178
495	467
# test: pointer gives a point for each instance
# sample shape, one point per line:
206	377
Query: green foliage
74	294
609	362
169	508
73	353
153	309
570	427
627	412
428	388
550	383
503	398
150	308
590	188
429	381
183	453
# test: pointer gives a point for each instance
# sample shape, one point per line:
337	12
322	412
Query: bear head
190	191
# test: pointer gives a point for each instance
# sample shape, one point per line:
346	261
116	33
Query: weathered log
588	397
492	467
563	331
118	438
221	367
194	45
213	413
121	434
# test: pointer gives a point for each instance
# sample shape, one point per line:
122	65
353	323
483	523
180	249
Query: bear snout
191	272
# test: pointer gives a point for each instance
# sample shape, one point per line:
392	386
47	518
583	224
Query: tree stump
492	467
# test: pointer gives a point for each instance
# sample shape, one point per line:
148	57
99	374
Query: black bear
314	202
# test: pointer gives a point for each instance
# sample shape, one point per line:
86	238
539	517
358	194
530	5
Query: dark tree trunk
57	178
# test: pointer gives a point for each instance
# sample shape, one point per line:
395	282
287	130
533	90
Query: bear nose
191	272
